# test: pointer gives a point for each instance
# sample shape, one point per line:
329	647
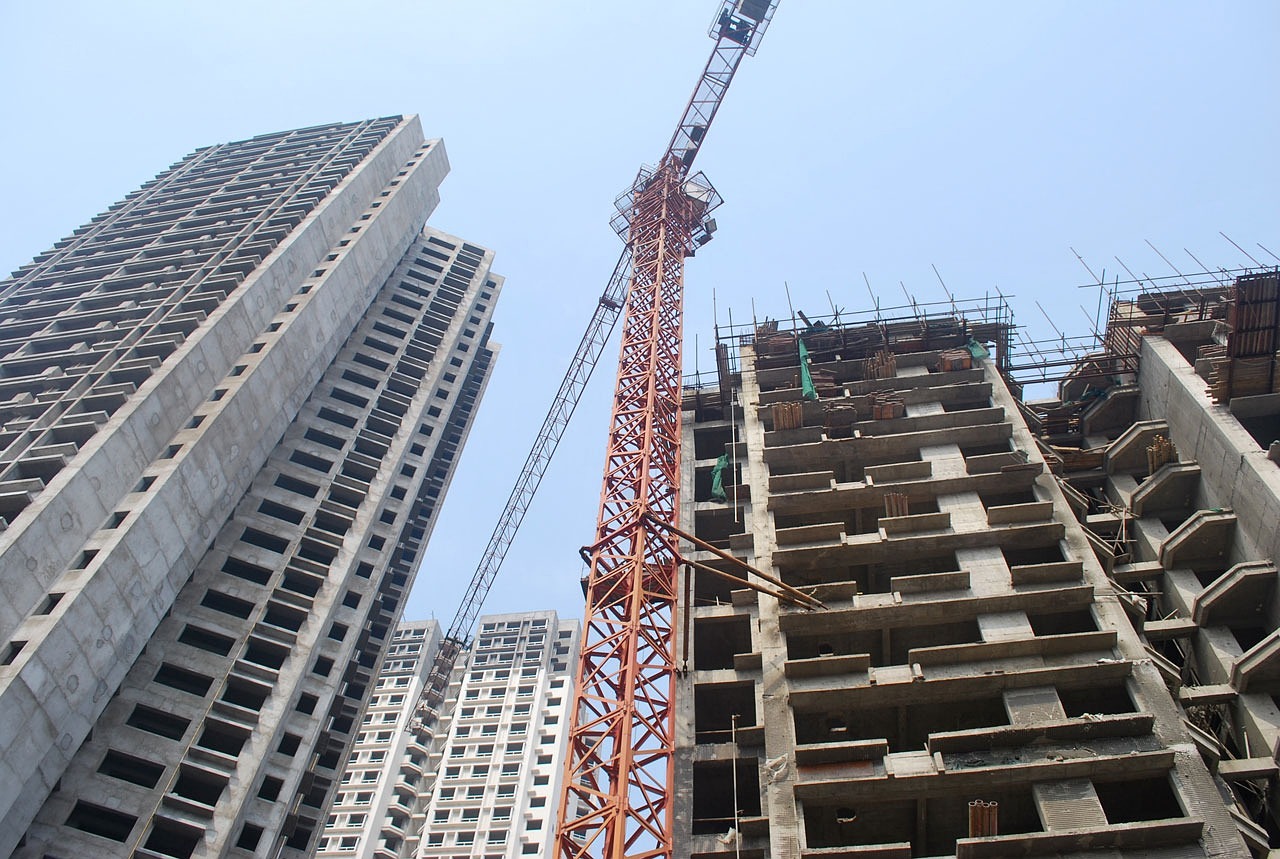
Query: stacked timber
1218	374
1079	459
1253	376
824	382
788	416
1159	452
984	819
776	345
1240	377
896	504
1247	366
880	365
823	340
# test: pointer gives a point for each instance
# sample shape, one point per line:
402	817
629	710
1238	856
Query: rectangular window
154	721
176	677
204	639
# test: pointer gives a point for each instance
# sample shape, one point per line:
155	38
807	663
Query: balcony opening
1210	572
972	450
1003	499
131	769
717	640
157	722
244	693
713	794
100	821
936	822
170	838
715	705
1063	623
177	677
717	526
1050	554
885	646
221	737
702	482
711	442
710	589
265	653
1138	799
1098	700
905	729
847	643
199	785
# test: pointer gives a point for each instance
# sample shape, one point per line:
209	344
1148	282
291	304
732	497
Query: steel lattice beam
622	738
616	799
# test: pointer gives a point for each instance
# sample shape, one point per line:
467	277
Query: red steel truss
616	800
622	739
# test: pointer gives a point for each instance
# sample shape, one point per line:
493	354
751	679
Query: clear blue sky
866	137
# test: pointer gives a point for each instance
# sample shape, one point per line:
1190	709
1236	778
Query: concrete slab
1172	487
1129	451
1239	597
1259	666
1202	540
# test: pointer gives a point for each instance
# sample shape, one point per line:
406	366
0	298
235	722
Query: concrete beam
1247	769
1169	629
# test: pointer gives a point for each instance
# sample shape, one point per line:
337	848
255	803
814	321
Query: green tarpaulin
977	350
806	378
717	478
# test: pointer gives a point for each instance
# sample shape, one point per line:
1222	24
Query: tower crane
741	29
616	798
662	218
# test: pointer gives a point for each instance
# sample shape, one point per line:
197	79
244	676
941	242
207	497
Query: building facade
1173	465
973	685
231	407
480	780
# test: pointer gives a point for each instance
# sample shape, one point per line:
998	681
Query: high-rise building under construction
230	407
1046	627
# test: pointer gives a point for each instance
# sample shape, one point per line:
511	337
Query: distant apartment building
389	762
488	786
230	407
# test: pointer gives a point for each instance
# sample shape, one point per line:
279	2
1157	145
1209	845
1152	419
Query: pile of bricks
886	405
954	359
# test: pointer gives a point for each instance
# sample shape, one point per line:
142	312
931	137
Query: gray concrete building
974	685
230	407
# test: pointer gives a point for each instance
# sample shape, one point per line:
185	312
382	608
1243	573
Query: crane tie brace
616	797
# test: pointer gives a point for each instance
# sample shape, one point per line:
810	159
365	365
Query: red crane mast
619	777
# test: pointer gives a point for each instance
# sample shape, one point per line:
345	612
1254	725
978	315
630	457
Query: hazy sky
866	137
